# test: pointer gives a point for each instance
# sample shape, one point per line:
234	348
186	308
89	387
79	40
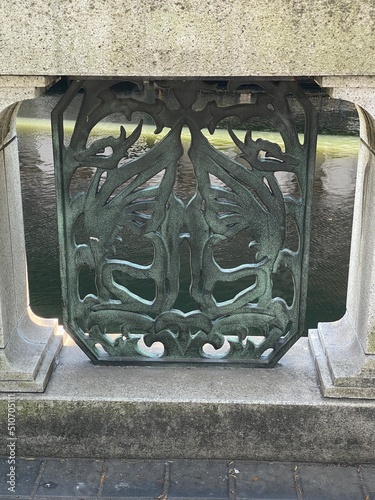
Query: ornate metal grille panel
117	199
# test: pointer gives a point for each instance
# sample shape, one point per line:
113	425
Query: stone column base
344	369
30	354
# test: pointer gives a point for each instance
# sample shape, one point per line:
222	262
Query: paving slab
368	477
198	479
27	471
133	479
70	477
264	480
321	482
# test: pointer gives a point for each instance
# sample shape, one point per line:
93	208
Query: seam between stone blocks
166	481
101	480
297	482
365	491
38	479
368	147
7	143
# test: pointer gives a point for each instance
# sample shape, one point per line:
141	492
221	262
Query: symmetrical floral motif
114	323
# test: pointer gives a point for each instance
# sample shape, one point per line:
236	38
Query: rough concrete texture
188	38
191	412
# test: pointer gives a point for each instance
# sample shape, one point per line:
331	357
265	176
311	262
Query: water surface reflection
331	221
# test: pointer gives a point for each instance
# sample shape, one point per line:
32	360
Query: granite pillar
344	351
28	344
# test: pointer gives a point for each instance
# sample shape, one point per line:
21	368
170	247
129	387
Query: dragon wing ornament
134	199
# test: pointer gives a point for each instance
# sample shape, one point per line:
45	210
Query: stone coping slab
191	412
170	38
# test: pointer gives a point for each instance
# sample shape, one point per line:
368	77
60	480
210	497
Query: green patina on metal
116	325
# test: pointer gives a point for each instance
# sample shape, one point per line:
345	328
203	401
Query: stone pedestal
28	344
344	351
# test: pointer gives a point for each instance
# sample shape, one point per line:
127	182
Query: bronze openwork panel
171	248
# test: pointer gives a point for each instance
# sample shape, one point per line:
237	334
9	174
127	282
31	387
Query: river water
331	215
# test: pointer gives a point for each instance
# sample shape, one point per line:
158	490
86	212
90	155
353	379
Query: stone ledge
186	412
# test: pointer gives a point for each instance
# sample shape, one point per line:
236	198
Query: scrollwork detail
246	196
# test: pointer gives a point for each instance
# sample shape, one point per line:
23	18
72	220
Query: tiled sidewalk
83	479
